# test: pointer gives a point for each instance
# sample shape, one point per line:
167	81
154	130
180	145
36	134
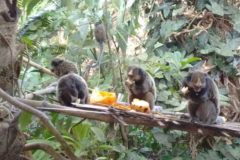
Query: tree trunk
11	139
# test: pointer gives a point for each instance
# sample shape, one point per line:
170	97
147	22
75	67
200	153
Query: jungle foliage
166	38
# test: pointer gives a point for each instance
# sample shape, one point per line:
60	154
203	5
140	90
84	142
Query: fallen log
162	120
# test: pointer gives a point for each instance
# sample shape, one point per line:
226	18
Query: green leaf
134	156
89	44
201	4
178	11
118	3
236	21
130	3
216	7
25	120
81	131
161	138
170	26
158	45
182	106
83	28
99	134
143	56
122	36
90	2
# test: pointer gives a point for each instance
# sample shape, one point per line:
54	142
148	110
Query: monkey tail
101	53
99	59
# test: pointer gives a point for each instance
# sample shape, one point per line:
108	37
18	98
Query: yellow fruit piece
122	106
140	105
103	97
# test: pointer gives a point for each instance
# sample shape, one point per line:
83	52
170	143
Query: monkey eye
130	76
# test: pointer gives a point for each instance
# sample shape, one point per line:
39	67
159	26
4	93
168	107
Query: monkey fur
203	96
71	87
13	13
100	36
62	67
140	85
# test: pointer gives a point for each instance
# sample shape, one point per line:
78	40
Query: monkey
100	36
62	67
203	95
207	112
70	87
140	85
13	13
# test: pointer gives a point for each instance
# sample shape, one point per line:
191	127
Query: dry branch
161	120
50	89
45	147
41	68
44	119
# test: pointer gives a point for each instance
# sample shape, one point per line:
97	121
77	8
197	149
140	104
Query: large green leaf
169	26
216	7
81	131
99	134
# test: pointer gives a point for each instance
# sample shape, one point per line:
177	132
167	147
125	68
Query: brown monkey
140	85
13	11
70	87
203	96
100	36
62	67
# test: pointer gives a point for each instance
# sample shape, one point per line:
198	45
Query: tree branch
41	68
45	147
50	89
170	121
43	118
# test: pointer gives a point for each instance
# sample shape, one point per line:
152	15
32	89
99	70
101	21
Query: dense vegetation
164	37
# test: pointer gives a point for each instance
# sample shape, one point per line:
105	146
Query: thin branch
41	68
43	118
50	89
45	147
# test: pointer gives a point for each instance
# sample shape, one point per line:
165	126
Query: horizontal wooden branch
169	121
41	68
50	89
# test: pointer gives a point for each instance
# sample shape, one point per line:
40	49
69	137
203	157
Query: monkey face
136	76
55	63
197	81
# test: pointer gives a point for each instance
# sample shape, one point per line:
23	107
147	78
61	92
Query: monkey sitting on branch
70	86
140	85
203	97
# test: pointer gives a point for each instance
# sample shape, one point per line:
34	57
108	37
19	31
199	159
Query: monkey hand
184	91
129	83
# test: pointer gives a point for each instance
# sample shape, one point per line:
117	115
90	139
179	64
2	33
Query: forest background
166	38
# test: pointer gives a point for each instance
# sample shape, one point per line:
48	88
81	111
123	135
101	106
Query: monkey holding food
203	96
140	85
70	85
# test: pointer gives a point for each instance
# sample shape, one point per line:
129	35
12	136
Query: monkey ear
205	68
60	61
142	73
130	68
189	76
